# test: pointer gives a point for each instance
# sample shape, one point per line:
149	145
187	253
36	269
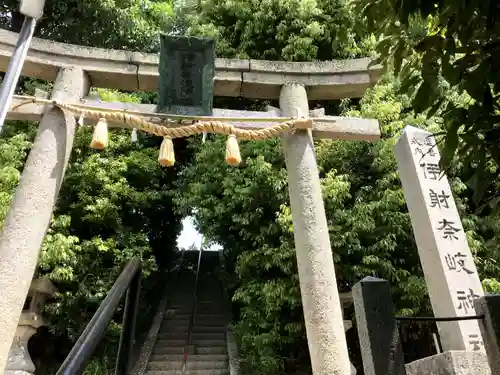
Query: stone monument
450	273
377	328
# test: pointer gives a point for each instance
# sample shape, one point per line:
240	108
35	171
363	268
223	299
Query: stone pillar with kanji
450	273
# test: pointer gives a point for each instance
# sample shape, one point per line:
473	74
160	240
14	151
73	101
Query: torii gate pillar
31	209
318	284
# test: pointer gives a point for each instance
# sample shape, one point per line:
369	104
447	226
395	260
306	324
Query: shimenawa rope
166	158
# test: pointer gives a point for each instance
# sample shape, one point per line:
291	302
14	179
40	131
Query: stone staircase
207	354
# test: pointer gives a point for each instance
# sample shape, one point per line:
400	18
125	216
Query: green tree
440	48
123	24
15	142
293	30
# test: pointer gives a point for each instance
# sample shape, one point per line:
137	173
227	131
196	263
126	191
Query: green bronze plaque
187	69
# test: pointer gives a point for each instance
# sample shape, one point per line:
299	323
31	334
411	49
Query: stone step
189	372
192	350
206	299
195	342
191	357
209	296
202	322
170	343
195	365
209	301
198	316
196	328
205	310
171	327
180	303
213	301
188	309
209	342
171	350
177	335
187	313
217	317
214	326
196	323
211	349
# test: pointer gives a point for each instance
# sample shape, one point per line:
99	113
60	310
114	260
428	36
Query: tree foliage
294	30
123	24
443	47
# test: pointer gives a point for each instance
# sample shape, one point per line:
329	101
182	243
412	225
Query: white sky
189	235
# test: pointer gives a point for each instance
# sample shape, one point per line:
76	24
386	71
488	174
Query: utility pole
32	10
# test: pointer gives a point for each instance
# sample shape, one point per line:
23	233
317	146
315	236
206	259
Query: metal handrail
128	282
438	319
193	311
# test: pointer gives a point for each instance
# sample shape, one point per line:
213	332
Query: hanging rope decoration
100	136
134	135
166	156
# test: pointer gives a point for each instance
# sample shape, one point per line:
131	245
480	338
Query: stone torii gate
75	69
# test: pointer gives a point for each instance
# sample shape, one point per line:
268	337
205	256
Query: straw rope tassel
233	156
167	156
100	136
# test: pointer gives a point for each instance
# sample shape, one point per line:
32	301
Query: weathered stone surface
323	79
489	306
19	359
377	328
450	273
31	209
42	286
139	71
320	297
450	363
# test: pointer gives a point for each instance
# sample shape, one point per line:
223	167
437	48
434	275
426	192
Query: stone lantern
19	360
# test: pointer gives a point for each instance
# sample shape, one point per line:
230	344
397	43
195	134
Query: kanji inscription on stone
187	69
448	265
